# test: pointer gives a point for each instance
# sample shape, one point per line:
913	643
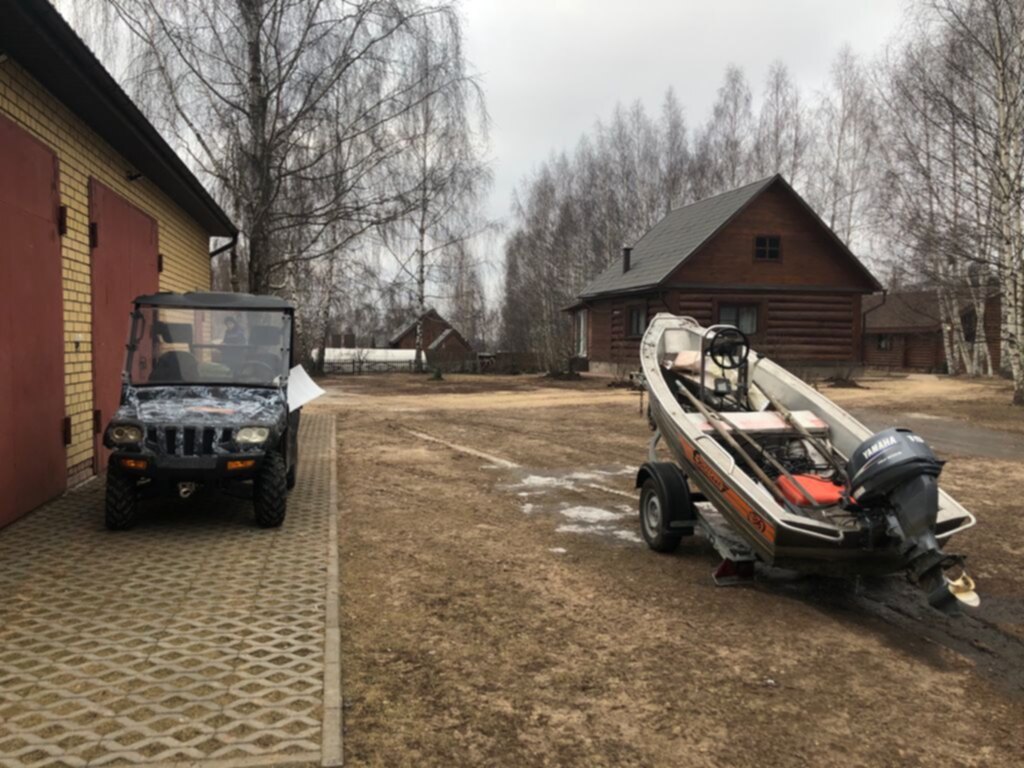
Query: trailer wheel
270	492
653	508
121	501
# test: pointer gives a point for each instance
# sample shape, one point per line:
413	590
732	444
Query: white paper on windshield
301	388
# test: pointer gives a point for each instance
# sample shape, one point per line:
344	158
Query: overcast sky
551	68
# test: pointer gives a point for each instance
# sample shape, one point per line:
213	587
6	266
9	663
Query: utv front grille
188	441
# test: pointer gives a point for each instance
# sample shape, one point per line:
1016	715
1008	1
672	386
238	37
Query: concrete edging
332	746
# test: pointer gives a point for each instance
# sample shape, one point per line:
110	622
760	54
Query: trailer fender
675	490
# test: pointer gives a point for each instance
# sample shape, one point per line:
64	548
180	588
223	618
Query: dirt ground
983	401
499	607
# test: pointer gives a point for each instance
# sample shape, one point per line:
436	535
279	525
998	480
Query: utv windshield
181	345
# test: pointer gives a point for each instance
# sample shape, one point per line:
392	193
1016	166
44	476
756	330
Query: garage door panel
124	265
33	459
27	183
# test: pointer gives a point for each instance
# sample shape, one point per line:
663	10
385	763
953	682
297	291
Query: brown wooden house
757	257
904	331
443	344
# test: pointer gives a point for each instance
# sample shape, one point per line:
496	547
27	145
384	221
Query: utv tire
270	492
653	508
121	501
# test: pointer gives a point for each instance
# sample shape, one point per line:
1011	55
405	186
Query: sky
551	68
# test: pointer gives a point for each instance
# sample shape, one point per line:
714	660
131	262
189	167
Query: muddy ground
980	401
499	608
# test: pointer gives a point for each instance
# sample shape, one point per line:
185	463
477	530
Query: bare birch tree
781	140
845	169
441	164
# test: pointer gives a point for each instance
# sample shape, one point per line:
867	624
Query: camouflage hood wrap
205	406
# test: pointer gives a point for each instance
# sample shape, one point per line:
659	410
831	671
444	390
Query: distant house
757	257
904	330
96	208
443	344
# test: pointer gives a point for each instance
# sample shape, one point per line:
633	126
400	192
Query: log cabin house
903	331
757	257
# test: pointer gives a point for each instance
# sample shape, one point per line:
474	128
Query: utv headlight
123	434
252	435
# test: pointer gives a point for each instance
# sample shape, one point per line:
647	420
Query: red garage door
124	265
33	462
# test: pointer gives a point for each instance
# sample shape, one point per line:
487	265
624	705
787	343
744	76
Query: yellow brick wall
82	154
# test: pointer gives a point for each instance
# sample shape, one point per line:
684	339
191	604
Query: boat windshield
182	345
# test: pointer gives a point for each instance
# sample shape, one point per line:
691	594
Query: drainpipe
864	324
227	247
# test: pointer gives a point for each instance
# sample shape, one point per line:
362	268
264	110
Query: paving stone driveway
194	638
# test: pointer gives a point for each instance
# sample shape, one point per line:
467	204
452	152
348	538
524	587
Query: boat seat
687	361
763	422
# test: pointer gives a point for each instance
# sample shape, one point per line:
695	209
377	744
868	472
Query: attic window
767	247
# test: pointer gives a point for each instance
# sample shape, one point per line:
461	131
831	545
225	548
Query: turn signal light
241	464
134	463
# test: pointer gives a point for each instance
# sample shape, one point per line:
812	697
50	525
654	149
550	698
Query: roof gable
684	231
410	327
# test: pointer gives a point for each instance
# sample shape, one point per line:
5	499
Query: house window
767	247
581	333
637	321
884	342
743	316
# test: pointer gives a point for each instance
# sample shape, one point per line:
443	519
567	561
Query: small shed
757	257
445	347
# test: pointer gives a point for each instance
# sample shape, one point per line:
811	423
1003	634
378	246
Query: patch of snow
606	489
625	535
600	530
585	475
543	481
590	514
626	470
574	528
527	508
558	550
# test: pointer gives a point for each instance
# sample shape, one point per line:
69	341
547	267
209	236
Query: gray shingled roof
673	239
911	310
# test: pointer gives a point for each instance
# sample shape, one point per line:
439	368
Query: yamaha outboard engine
895	470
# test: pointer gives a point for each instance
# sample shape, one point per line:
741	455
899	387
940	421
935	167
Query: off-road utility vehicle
204	402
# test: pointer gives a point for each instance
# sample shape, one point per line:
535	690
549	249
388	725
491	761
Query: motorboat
773	472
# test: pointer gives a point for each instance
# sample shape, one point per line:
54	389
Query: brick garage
131	217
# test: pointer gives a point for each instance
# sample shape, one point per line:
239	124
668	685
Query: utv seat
175	368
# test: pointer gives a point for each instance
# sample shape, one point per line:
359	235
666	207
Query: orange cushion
824	492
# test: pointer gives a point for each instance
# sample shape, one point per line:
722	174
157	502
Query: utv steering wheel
729	348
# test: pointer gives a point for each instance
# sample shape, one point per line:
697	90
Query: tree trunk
421	301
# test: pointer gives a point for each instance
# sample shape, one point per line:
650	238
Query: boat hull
777	535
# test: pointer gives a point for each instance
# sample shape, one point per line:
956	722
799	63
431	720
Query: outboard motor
895	470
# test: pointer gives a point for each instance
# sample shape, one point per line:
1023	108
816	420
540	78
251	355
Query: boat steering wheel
729	348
